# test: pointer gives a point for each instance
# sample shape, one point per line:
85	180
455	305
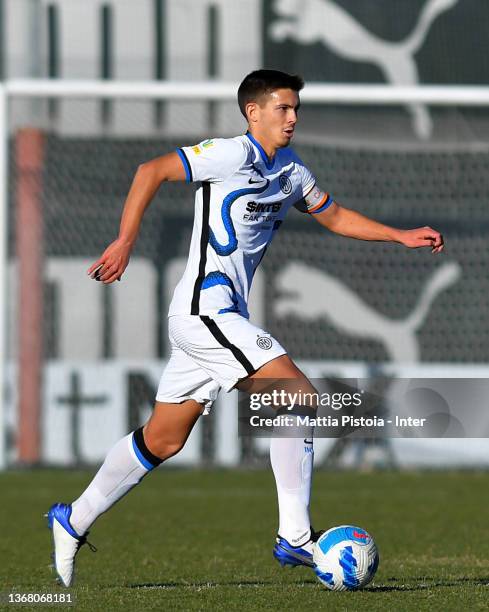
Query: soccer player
247	184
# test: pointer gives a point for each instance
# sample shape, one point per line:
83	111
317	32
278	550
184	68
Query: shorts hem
207	403
173	400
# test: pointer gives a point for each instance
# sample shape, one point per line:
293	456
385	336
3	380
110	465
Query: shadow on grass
210	584
427	583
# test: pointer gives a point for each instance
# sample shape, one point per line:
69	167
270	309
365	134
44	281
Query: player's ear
252	109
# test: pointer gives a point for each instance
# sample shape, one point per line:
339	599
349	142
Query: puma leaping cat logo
317	295
310	21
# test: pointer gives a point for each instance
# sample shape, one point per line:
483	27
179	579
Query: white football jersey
239	207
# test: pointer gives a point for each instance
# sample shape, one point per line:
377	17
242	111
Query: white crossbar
331	93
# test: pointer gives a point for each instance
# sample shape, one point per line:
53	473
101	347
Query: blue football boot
292	556
67	542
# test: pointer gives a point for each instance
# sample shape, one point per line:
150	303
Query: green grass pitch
202	540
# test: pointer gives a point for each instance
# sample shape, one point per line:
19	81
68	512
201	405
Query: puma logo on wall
318	295
311	21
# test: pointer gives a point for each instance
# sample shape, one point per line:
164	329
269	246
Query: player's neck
268	148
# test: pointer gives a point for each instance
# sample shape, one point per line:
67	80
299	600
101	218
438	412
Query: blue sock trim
144	462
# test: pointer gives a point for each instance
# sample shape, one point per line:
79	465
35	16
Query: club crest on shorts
264	342
285	184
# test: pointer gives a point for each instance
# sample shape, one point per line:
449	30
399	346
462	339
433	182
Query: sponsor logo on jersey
264	342
253	182
208	143
197	150
285	184
259	207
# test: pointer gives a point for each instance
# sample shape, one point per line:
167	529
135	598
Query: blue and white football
346	558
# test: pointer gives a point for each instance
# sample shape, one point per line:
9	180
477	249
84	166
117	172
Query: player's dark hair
262	82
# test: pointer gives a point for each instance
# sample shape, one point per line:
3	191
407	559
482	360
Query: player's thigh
184	379
279	374
184	392
170	424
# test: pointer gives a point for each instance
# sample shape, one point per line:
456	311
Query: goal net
83	358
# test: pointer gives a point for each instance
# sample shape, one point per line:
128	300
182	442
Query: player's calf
169	427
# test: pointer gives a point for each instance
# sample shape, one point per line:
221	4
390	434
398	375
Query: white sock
124	467
292	461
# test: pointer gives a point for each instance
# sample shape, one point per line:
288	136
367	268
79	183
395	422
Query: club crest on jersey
285	184
264	342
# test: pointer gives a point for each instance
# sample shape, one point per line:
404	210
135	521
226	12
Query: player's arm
149	176
352	224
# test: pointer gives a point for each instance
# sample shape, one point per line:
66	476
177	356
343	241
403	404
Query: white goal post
337	94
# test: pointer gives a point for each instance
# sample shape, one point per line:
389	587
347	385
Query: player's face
273	121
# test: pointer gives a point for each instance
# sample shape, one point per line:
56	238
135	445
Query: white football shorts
210	352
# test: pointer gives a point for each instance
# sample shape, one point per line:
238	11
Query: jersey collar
268	162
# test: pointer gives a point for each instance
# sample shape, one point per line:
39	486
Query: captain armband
317	200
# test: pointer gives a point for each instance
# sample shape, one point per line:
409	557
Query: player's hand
111	265
423	237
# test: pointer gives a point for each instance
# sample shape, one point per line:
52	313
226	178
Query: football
346	558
